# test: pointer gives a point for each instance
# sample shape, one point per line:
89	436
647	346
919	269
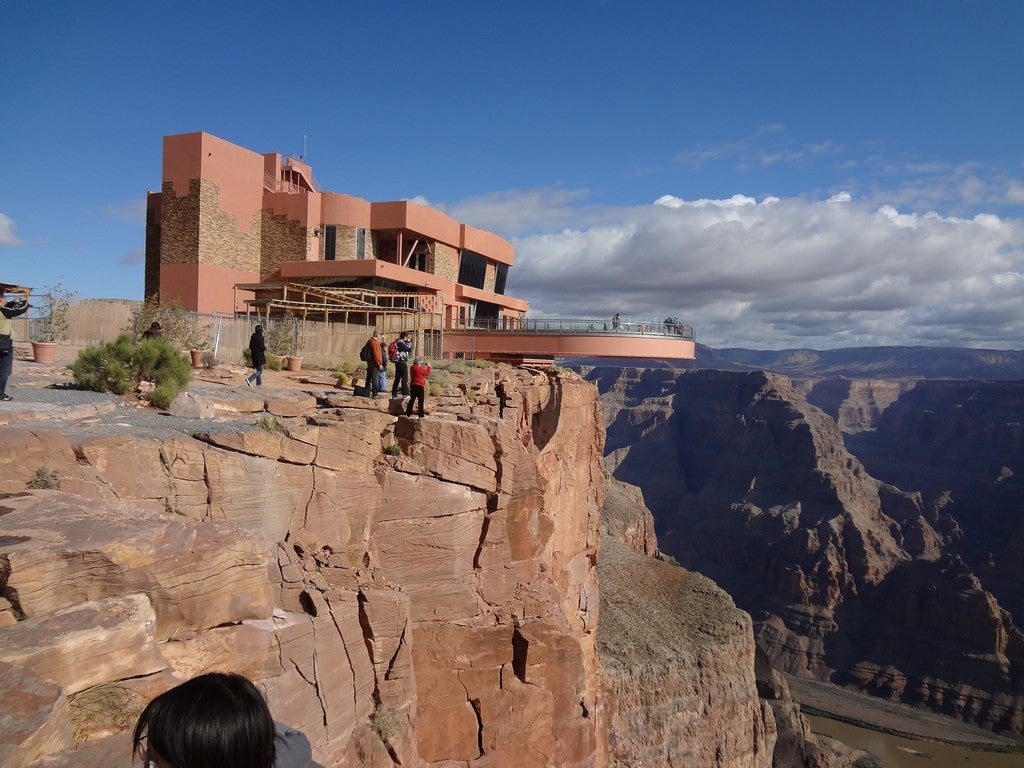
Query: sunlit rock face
414	592
894	578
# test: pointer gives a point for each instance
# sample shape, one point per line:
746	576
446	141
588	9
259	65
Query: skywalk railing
660	328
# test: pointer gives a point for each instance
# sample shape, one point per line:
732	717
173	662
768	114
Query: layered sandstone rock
430	605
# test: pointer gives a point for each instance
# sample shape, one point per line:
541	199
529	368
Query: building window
500	276
472	269
360	243
330	242
418	261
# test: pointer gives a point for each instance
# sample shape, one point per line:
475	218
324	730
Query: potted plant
284	340
51	328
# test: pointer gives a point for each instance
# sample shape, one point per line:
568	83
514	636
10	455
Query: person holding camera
8	310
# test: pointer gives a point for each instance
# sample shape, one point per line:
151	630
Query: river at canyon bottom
898	752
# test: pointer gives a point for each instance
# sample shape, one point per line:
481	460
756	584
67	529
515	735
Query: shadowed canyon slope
893	573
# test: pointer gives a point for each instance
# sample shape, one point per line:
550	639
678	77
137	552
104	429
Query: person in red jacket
418	384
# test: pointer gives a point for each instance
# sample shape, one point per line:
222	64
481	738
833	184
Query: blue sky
779	174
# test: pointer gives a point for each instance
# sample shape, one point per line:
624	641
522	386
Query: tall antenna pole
303	146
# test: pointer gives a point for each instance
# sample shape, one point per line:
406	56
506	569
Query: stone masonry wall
194	229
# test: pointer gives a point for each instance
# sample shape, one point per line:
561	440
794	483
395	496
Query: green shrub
393	450
455	366
44	478
274	363
163	394
443	376
434	389
120	365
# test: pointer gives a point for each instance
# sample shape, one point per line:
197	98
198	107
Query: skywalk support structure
233	231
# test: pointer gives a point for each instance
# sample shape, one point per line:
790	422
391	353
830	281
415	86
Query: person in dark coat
217	719
154	331
258	351
401	365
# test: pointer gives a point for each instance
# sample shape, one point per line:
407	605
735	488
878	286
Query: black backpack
366	353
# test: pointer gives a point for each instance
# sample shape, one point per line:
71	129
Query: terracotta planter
197	357
44	351
293	363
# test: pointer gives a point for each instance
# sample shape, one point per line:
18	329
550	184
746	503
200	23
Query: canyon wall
881	580
406	592
415	592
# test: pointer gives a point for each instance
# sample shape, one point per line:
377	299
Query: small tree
179	326
53	325
283	338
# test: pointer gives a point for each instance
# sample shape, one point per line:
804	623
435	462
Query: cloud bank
772	273
7	236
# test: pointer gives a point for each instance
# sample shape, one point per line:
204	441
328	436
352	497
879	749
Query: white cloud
769	273
7	236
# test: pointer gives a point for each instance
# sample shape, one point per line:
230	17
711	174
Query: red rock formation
436	606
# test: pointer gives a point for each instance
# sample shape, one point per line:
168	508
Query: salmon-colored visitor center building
234	231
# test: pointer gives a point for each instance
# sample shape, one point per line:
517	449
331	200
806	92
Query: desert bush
457	366
434	389
393	450
270	424
385	723
45	478
103	709
443	376
283	337
120	365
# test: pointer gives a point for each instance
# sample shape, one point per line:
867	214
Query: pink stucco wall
342	209
419	218
203	287
488	244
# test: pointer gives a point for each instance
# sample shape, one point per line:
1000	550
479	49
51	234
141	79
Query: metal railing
630	327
